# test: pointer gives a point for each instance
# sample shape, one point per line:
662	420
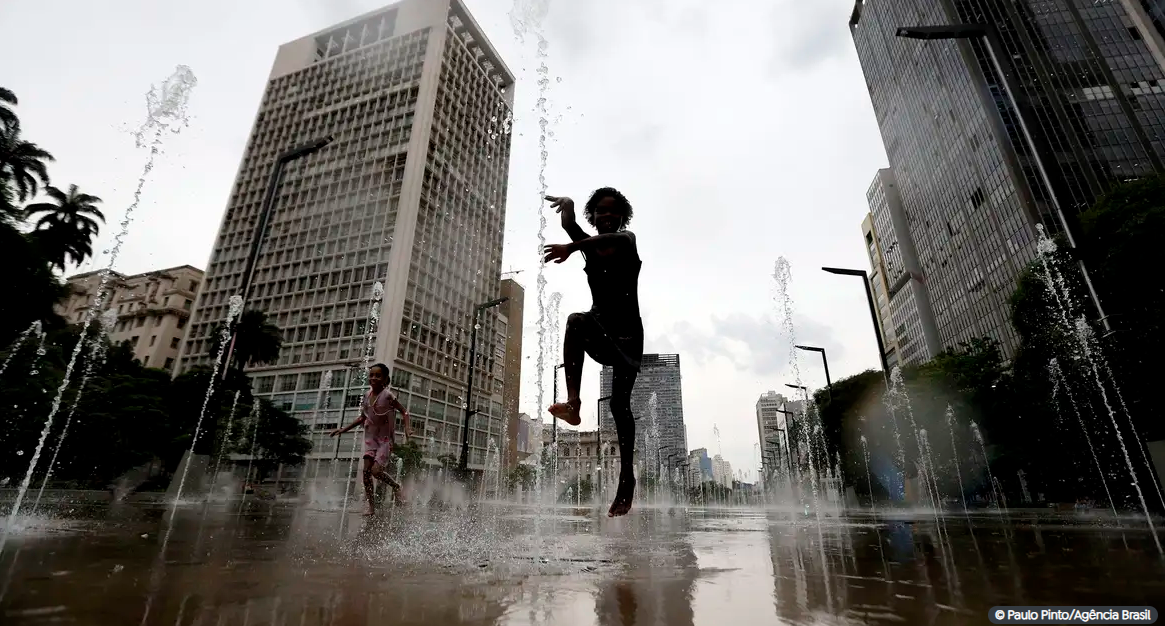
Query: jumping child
612	331
378	410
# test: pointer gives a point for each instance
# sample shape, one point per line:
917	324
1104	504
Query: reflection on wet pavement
506	565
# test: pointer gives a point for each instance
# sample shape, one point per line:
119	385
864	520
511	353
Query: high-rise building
1092	80
663	427
152	309
699	467
512	372
903	304
770	425
772	428
410	193
722	471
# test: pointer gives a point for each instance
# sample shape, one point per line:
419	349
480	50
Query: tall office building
903	303
770	425
152	309
512	370
659	374
772	418
410	193
1091	75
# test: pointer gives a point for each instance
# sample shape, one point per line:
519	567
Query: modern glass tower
410	194
1090	79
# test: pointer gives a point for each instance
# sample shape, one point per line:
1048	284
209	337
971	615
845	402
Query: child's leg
369	491
573	352
621	386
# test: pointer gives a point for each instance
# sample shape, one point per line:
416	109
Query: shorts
609	348
378	449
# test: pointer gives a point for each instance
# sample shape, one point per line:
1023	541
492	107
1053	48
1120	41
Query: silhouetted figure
612	331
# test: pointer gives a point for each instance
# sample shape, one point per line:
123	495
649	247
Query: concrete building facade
512	370
665	440
904	310
770	425
410	194
153	309
699	467
722	471
1092	79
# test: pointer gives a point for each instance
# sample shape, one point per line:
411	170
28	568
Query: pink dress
379	425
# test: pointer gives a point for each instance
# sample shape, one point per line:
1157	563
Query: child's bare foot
567	411
623	498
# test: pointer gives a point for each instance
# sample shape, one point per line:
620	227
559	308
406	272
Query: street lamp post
265	217
1002	65
463	466
873	314
825	362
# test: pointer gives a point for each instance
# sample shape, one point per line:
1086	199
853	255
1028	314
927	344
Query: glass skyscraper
1089	74
410	194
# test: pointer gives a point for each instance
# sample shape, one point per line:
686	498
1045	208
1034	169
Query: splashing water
955	456
35	327
527	17
900	399
1082	332
978	437
256	415
782	278
373	323
235	310
166	110
1058	379
869	482
97	353
1087	342
226	438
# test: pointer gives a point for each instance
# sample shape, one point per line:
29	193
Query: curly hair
621	204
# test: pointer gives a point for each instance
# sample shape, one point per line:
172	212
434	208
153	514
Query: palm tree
257	340
68	226
22	166
8	117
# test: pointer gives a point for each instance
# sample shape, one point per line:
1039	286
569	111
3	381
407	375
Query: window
169	363
153	340
141	322
182	323
158	321
133	341
174	343
193	285
186	304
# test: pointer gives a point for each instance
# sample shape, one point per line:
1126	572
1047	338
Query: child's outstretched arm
340	431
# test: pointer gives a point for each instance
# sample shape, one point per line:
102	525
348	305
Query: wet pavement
299	565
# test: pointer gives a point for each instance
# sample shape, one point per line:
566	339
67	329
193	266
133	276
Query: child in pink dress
378	414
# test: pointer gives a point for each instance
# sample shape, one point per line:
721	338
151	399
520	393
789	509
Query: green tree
1120	242
412	459
67	225
22	170
524	475
281	438
8	118
30	289
257	340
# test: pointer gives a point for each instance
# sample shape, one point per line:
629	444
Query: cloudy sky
740	130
